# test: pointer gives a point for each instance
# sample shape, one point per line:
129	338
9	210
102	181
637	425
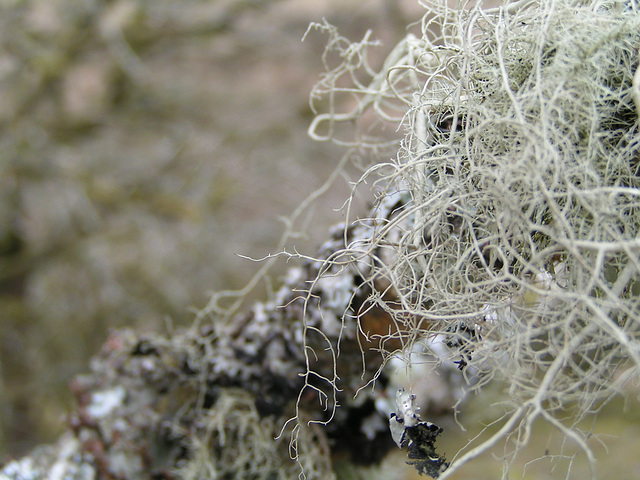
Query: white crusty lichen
406	415
62	461
105	401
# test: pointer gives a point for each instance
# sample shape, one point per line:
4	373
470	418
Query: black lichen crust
420	440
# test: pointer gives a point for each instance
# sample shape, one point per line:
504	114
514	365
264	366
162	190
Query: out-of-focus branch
210	400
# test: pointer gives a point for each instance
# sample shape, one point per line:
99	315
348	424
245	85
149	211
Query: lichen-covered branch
222	400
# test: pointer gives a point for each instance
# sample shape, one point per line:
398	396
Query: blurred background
143	144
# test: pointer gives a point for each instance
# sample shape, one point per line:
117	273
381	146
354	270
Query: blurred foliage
142	144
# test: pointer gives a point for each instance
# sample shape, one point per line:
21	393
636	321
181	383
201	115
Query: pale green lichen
517	239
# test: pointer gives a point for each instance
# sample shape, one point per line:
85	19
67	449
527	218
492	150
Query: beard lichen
511	210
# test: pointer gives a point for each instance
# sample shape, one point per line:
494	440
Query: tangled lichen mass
515	200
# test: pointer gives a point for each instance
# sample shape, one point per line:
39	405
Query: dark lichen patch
421	444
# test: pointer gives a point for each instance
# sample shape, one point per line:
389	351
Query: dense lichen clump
515	224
